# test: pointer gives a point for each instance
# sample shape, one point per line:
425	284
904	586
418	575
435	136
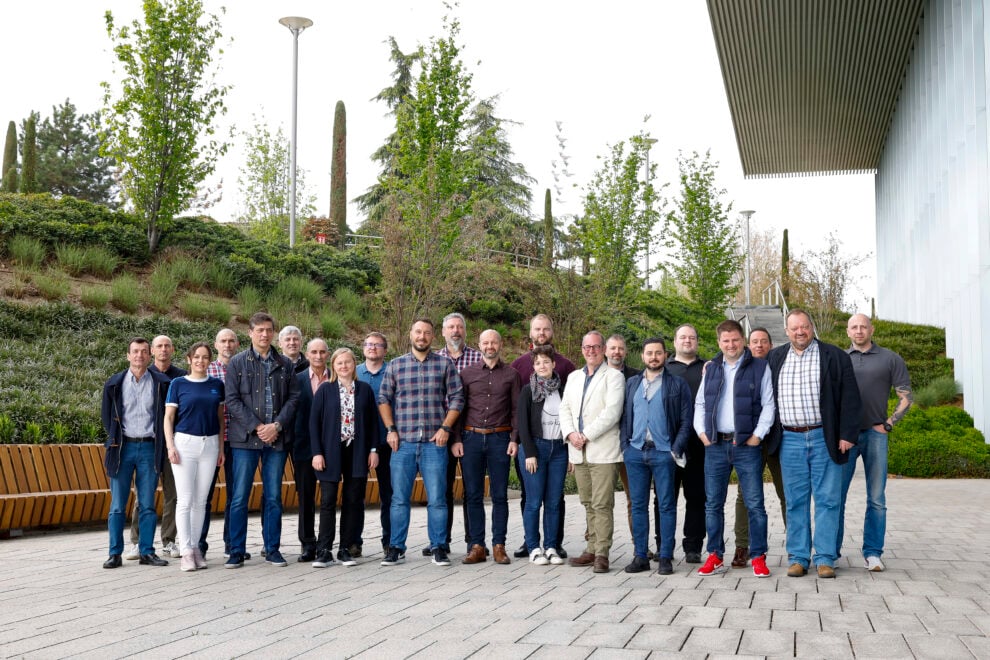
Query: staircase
770	317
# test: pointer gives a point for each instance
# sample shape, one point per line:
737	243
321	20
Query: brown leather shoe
476	556
825	571
601	564
740	558
499	555
796	570
586	559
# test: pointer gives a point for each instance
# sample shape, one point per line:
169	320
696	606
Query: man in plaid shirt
420	398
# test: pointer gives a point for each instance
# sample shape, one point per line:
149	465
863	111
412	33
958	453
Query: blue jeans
720	458
872	446
808	472
272	469
431	462
642	466
544	488
137	461
481	453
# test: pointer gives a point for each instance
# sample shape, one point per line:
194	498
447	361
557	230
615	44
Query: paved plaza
932	602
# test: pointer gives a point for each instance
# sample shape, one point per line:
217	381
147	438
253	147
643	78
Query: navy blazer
678	405
840	403
112	412
324	430
301	450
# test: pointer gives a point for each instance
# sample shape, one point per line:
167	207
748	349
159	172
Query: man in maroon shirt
487	444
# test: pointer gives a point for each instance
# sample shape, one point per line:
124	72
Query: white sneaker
133	552
537	557
553	557
171	550
874	564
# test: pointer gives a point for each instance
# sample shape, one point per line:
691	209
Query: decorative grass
332	325
297	293
200	308
162	286
26	251
190	271
248	302
350	306
94	297
125	293
221	278
53	285
940	391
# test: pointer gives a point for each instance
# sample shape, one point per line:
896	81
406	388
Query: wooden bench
55	485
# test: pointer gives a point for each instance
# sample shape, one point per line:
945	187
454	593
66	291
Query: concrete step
767	316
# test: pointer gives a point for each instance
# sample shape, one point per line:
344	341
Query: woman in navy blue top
343	432
193	434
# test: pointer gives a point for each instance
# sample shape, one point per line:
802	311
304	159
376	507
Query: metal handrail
774	295
743	321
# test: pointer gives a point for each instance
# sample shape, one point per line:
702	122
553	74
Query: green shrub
248	302
26	251
194	308
938	442
125	293
190	272
8	430
32	433
94	297
938	392
221	277
53	285
332	326
71	259
220	311
163	284
60	432
81	260
296	293
101	262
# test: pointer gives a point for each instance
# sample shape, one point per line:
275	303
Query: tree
338	173
69	159
824	280
785	267
549	232
161	126
264	184
704	240
10	160
29	154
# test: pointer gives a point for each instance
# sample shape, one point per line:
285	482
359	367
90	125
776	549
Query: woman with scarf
544	453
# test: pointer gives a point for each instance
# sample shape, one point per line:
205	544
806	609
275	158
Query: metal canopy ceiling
812	84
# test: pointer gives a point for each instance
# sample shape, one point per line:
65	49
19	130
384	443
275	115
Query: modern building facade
894	87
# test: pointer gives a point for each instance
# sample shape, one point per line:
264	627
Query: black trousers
691	480
384	475
452	463
351	508
559	541
306	487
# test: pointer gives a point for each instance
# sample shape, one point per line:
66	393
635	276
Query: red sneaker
712	566
760	569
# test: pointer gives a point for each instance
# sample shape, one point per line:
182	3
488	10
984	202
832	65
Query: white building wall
933	195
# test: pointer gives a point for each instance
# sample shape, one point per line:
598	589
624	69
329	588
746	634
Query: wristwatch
887	427
445	428
278	426
393	429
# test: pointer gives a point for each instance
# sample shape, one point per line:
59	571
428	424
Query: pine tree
785	268
29	155
548	231
10	160
69	160
338	174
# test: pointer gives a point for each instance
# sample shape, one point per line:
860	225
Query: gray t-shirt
877	370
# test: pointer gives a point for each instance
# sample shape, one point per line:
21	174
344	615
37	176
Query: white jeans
193	476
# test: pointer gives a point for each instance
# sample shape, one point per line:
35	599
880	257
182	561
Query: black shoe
153	560
692	557
113	562
521	552
345	557
666	567
355	550
244	556
275	558
235	560
427	551
324	559
308	555
561	552
393	556
638	565
440	557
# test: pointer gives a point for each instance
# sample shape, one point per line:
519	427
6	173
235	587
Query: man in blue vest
733	412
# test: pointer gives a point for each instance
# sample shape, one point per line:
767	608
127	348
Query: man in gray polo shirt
877	371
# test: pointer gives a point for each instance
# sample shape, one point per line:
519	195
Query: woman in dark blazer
343	432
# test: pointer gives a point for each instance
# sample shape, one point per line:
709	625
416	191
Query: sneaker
873	564
638	565
561	552
187	563
440	557
264	553
666	566
171	550
199	559
537	557
554	556
324	559
427	551
521	552
713	565
226	554
355	550
692	557
133	552
345	557
234	560
760	569
393	556
275	558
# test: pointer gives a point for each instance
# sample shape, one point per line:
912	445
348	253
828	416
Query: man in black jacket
818	411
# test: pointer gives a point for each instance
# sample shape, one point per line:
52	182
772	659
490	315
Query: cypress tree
10	160
547	231
29	155
785	267
338	173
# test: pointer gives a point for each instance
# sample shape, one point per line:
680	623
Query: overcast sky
598	70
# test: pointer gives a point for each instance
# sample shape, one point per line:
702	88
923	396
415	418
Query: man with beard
541	334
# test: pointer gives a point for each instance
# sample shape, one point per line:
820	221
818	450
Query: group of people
806	409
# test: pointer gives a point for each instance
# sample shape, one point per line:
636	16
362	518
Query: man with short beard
541	334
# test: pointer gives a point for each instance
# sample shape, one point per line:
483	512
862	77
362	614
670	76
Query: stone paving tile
741	599
818	602
711	641
774	601
508	630
669	638
555	652
866	645
794	620
607	634
909	604
920	588
606	612
502	651
446	649
699	616
684	597
862	603
393	648
956	623
937	646
981	621
822	645
649	614
745	619
618	654
884	622
767	642
646	596
559	633
554	611
838	622
978	646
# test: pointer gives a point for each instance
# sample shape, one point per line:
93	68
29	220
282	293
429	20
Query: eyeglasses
369	344
592	347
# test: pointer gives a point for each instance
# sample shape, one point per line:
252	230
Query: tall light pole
296	25
649	145
747	215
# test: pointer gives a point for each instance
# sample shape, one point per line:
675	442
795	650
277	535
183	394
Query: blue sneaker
275	558
236	560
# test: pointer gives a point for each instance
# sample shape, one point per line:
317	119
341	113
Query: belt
802	429
481	431
726	436
129	439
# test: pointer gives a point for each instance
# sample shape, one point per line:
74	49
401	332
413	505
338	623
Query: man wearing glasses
371	372
589	420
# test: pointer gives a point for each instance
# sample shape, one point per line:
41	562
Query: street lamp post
296	25
747	215
649	145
